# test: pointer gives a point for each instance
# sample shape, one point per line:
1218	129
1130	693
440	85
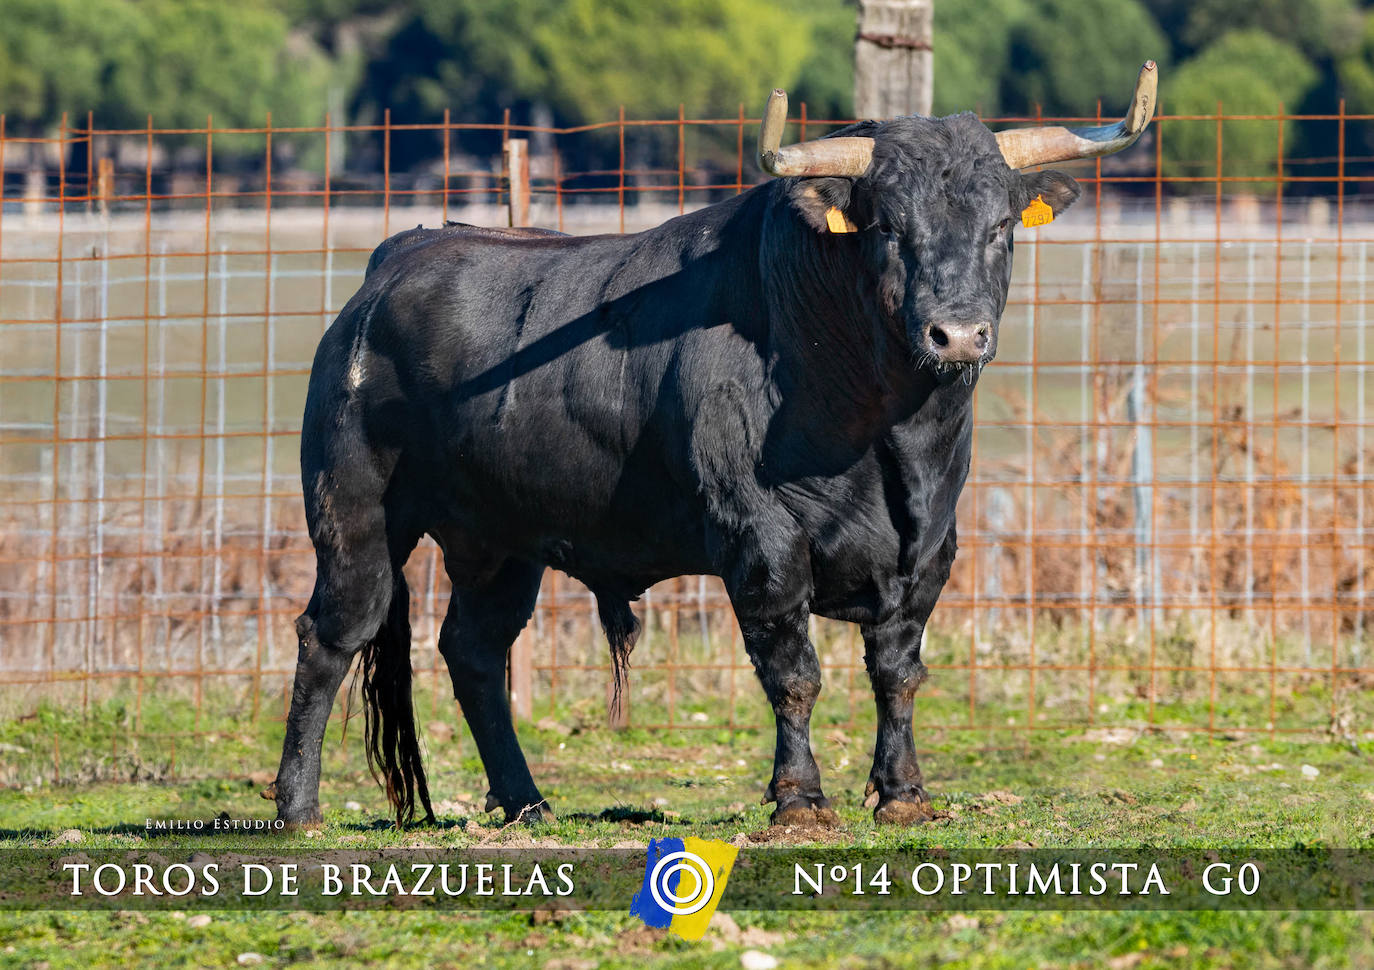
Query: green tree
1355	83
175	59
1319	28
325	15
1247	72
586	57
190	58
973	52
825	80
1066	54
577	60
487	54
1356	69
707	54
54	55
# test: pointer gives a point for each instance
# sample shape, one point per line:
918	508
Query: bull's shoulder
412	239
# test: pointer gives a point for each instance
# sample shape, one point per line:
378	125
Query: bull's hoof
806	812
897	811
302	815
300	821
528	813
311	825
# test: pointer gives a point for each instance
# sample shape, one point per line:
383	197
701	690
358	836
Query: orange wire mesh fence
1166	524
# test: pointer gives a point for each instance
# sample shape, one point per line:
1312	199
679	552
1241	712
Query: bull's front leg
764	560
787	666
892	654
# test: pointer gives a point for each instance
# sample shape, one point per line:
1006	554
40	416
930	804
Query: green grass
1085	789
587	941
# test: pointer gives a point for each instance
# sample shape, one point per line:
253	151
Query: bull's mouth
948	371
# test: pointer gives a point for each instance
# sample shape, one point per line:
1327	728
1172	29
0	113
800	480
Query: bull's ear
825	203
1055	189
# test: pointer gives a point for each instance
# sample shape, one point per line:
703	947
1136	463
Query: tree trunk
893	62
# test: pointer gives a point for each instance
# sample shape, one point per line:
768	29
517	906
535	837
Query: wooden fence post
104	183
517	165
893	60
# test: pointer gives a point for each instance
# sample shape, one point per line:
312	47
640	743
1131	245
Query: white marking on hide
356	371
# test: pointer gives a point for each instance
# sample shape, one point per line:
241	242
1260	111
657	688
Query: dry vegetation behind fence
1167	521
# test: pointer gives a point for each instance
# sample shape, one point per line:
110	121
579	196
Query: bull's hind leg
892	654
349	607
359	550
320	670
481	625
359	602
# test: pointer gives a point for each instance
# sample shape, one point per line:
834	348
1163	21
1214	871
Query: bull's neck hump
714	251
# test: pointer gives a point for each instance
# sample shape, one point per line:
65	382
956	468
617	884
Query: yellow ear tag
1038	213
836	221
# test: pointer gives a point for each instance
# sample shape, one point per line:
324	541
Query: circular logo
683	904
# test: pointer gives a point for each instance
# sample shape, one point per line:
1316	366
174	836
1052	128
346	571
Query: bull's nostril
939	337
980	339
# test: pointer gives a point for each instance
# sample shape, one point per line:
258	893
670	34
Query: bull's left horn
1024	147
825	156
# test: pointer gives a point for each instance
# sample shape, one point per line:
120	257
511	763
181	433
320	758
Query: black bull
743	391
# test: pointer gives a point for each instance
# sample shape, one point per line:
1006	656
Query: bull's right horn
848	156
1024	147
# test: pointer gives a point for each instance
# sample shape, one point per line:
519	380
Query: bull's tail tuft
392	742
622	630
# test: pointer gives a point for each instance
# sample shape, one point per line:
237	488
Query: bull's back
535	395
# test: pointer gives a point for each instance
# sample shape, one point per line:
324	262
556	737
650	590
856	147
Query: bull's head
932	203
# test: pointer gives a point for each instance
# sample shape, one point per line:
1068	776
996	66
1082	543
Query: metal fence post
102	428
217	590
1194	475
1304	424
1142	459
1088	553
160	482
1357	654
1250	430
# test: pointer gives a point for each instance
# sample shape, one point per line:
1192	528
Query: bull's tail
622	630
390	736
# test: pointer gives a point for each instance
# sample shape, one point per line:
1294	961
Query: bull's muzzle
954	342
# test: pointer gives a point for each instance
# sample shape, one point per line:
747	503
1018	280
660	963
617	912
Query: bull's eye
1000	232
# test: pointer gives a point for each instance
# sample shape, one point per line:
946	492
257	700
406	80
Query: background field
1158	617
1169	503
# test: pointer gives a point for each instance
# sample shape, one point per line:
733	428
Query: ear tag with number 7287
1038	213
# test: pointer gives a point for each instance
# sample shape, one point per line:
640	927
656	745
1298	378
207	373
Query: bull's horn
1023	147
825	156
